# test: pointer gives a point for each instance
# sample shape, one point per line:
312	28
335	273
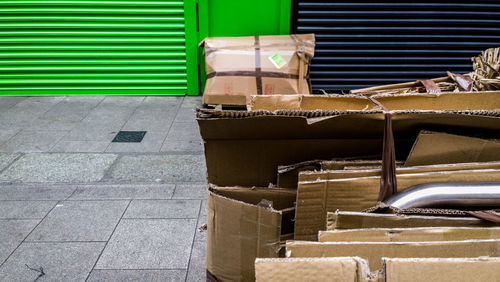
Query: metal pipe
440	195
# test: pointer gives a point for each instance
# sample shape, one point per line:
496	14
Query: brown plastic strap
258	69
253	73
388	183
430	86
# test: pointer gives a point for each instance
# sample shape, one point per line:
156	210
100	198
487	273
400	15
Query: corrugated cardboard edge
314	269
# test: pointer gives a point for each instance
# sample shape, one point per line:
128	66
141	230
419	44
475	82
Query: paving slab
151	143
71	168
49	124
158	102
73	108
201	234
123	191
190	191
168	244
198	263
184	131
7	132
80	221
24	112
6	159
94	131
155	168
60	261
8	102
191	102
38	192
171	145
81	146
25	209
163	275
33	141
163	209
145	119
12	233
186	115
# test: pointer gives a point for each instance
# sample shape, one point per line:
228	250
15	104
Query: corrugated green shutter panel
108	47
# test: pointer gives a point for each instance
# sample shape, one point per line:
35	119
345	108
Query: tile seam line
194	239
173	121
12	162
24	239
109	238
123	125
106	174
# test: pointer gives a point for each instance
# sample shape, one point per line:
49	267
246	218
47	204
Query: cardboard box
441	269
342	269
238	67
246	148
373	252
339	269
352	173
440	148
242	227
316	198
341	220
410	234
311	103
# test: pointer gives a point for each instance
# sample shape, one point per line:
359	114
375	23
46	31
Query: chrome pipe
444	195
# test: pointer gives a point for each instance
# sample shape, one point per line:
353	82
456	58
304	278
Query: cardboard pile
320	158
238	67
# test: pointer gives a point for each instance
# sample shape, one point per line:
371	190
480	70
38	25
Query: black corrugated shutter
365	43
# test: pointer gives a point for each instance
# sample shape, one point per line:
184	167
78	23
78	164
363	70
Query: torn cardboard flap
341	220
373	252
437	147
238	230
316	198
410	234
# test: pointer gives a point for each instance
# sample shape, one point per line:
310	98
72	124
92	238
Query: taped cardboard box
342	269
246	148
243	224
373	252
305	176
238	67
341	220
440	148
410	234
316	198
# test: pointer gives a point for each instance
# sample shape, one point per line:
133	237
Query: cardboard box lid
373	252
442	269
410	234
312	175
356	220
316	198
440	148
239	229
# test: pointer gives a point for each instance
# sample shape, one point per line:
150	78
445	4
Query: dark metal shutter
365	43
116	47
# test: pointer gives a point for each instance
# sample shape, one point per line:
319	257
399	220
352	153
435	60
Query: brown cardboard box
331	102
316	198
442	269
240	228
410	234
246	148
238	67
341	220
440	148
352	173
355	269
373	252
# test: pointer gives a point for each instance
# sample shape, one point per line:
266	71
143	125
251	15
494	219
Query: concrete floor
75	206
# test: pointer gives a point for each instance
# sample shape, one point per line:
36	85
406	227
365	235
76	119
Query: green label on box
277	60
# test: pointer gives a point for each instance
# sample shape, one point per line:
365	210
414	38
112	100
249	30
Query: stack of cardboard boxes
291	176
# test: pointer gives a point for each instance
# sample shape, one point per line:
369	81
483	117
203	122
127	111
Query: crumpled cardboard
238	67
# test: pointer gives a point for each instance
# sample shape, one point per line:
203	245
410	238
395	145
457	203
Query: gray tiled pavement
82	208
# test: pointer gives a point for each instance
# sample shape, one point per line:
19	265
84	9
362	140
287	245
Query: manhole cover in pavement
129	136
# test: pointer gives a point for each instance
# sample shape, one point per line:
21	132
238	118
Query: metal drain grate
129	136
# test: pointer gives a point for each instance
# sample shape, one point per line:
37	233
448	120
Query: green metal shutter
108	47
